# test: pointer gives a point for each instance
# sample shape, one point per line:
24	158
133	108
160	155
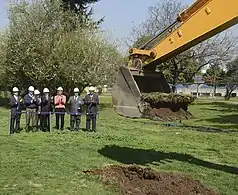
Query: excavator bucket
130	85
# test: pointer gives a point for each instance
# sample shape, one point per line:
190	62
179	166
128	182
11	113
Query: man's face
76	94
91	92
15	93
60	92
31	92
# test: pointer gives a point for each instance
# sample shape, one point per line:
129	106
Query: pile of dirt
135	180
166	107
167	114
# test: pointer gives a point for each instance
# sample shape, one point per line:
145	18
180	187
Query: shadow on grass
224	117
219	106
142	157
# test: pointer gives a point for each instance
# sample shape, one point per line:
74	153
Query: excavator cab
130	84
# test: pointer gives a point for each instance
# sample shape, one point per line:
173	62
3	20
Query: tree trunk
229	90
215	89
228	95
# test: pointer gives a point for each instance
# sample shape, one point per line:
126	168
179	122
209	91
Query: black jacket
46	104
38	104
75	105
16	106
91	102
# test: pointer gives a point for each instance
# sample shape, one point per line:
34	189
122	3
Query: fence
51	119
204	89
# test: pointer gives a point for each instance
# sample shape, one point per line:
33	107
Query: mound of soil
166	106
166	114
134	180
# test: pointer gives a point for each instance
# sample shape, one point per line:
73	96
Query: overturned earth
166	106
135	180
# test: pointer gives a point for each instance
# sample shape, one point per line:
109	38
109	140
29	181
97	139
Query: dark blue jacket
16	106
28	104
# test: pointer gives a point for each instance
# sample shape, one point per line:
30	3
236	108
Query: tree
42	50
231	77
82	9
214	51
3	75
214	75
141	40
79	6
179	69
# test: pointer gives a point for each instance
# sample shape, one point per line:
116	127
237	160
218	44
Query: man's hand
20	100
32	101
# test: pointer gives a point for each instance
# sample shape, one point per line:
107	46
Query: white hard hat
46	90
76	89
59	89
15	89
36	92
91	88
31	88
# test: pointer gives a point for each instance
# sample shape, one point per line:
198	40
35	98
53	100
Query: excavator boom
201	21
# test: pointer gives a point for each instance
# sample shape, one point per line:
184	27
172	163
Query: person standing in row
31	105
15	102
46	108
91	100
38	108
76	103
60	101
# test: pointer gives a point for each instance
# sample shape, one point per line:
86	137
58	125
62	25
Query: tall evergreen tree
82	9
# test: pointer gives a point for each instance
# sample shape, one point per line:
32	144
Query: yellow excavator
201	21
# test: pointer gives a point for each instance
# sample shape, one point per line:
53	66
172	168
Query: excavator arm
201	21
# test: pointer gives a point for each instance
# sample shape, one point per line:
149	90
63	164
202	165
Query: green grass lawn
44	163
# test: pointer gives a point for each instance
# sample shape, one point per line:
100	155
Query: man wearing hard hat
38	108
60	101
31	105
15	102
46	108
76	103
91	100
